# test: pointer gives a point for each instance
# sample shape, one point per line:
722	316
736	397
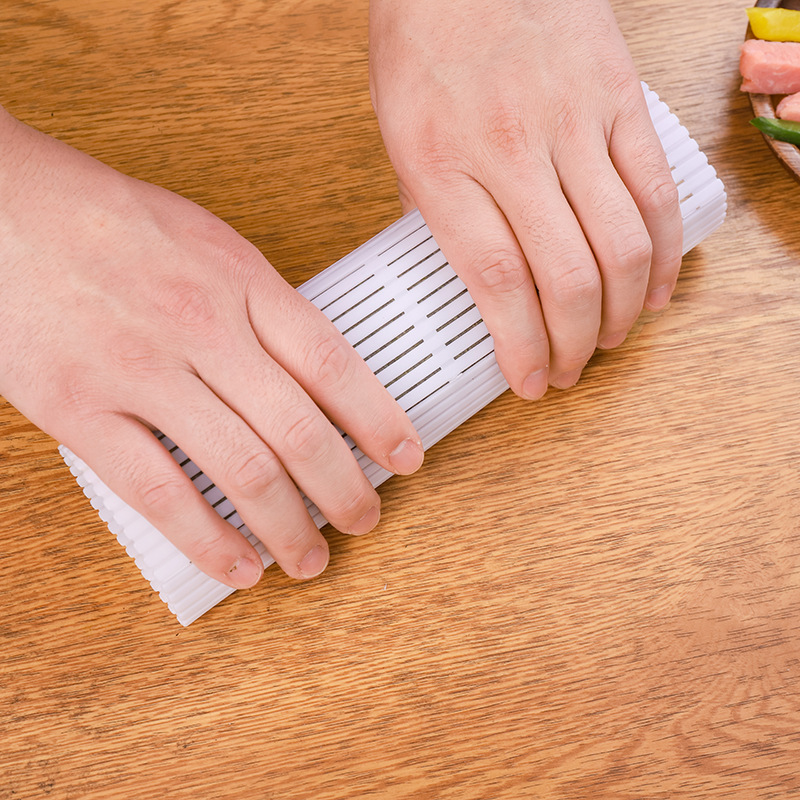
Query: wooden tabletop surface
592	596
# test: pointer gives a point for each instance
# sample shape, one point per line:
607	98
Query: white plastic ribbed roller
406	312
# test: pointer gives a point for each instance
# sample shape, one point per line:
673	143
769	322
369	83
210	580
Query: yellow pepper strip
775	24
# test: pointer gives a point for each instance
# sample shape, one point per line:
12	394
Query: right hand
521	132
126	309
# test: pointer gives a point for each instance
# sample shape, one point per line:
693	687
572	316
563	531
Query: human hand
521	132
125	309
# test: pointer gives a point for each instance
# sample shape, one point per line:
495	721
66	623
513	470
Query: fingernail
535	385
366	523
612	340
314	562
566	379
246	572
658	297
406	457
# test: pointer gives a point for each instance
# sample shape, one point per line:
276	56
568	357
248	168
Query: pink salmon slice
789	107
770	67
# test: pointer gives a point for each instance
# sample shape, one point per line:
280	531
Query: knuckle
328	360
658	195
304	434
431	156
505	130
629	254
162	495
575	286
256	476
503	273
188	304
76	398
621	81
239	258
429	151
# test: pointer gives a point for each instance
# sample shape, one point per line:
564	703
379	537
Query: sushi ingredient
783	130
775	24
789	107
770	67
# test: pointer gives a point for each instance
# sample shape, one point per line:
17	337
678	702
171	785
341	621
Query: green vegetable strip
783	130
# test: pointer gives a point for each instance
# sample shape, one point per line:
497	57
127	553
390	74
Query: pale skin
525	143
520	131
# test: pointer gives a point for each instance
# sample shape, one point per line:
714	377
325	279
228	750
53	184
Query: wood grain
593	596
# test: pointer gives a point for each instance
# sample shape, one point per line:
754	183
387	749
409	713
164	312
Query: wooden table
592	596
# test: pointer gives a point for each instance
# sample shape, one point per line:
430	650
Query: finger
336	378
615	230
477	240
138	469
639	158
262	481
561	261
275	424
